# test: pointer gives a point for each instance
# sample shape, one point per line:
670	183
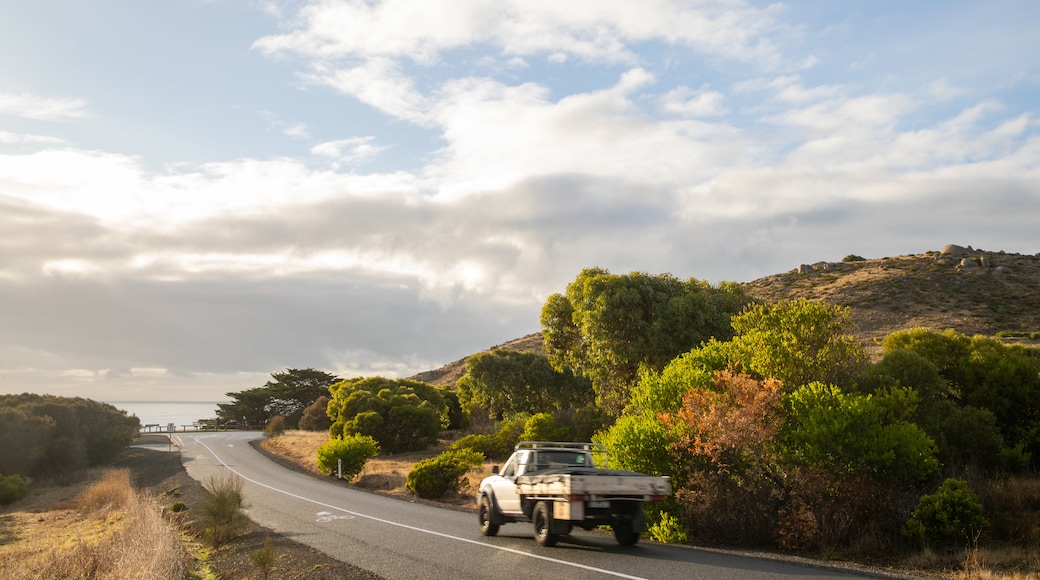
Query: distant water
179	413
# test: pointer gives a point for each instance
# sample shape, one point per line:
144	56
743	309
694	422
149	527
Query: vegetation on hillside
49	435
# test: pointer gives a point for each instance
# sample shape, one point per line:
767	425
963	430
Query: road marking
414	528
323	517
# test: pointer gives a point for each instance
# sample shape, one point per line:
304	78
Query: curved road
399	539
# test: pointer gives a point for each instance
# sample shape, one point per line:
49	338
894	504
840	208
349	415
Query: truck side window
509	469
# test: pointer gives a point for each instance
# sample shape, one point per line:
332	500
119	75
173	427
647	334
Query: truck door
505	487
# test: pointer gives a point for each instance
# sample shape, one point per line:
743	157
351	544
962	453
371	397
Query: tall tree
798	342
606	327
506	381
288	394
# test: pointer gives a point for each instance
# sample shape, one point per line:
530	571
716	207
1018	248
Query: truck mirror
494	470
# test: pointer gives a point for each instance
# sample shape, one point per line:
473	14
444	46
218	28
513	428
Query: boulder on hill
954	250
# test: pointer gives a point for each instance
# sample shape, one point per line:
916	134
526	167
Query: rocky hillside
971	291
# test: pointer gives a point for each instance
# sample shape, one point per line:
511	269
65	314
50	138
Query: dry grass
383	474
109	531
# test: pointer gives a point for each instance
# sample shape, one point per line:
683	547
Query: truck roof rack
583	446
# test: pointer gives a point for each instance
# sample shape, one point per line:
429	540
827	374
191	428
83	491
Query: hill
971	291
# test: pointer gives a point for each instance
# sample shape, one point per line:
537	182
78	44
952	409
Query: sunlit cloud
41	108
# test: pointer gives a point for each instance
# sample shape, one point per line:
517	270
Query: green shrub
849	434
275	427
12	488
541	427
178	506
223	519
494	446
639	443
668	530
402	415
951	515
441	475
853	258
354	450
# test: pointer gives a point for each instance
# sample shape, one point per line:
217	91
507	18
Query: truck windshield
560	459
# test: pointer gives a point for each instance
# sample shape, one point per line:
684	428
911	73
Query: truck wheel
542	518
624	534
487	512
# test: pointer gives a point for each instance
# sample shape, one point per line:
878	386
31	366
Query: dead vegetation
108	531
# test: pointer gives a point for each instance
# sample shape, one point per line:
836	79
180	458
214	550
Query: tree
798	342
402	415
850	434
315	416
986	374
966	436
291	391
505	381
607	327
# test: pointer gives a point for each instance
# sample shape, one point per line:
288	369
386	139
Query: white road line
413	528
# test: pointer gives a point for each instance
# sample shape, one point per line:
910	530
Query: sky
197	193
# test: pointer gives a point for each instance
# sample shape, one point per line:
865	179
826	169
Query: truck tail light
658	498
577	497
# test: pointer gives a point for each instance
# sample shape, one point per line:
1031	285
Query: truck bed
595	483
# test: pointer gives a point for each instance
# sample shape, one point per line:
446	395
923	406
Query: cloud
597	30
9	138
694	103
351	151
40	108
363	49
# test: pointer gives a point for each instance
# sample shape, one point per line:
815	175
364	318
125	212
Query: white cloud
297	131
351	151
378	83
687	102
590	29
361	49
10	138
42	108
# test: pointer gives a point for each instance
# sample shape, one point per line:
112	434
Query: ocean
162	413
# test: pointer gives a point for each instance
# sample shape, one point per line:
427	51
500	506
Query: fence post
339	463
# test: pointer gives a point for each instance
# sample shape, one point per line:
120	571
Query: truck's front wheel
624	534
542	518
488	527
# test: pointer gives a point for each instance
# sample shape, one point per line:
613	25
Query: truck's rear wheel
542	518
487	513
624	534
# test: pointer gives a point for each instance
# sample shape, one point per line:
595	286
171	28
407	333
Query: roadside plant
951	515
223	519
442	475
353	450
264	558
12	488
275	427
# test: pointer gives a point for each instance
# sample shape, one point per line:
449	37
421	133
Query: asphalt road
399	539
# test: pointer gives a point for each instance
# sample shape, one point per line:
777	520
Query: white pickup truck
560	485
